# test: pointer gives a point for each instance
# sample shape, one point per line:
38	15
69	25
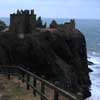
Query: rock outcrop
60	56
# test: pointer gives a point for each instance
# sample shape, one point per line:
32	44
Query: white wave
95	75
95	60
94	97
94	57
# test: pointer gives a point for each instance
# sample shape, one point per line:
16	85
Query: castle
25	22
67	26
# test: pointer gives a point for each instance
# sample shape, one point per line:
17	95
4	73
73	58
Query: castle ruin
67	26
23	21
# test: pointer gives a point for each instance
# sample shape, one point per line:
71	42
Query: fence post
18	73
8	76
42	90
23	77
56	95
34	85
28	79
8	70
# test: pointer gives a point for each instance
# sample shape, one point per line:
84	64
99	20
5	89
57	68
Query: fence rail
33	81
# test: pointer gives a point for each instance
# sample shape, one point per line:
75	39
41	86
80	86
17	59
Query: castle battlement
23	12
67	26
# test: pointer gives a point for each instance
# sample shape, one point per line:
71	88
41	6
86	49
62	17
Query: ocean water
91	30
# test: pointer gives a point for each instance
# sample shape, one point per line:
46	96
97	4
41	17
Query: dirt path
14	90
3	86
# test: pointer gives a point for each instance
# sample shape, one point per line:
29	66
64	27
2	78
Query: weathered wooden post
56	95
8	76
28	79
42	89
34	85
8	73
18	73
23	77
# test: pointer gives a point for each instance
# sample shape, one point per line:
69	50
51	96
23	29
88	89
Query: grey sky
88	9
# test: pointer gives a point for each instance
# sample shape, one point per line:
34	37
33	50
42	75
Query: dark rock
90	63
90	70
60	56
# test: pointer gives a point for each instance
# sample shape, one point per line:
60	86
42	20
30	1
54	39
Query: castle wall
68	26
32	21
23	21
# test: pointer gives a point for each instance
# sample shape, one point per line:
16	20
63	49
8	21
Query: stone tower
23	21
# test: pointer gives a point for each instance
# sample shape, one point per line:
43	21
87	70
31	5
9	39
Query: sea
91	30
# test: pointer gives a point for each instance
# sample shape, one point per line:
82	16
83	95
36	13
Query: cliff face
60	56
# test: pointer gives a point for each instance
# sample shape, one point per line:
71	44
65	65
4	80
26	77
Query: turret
22	11
32	12
26	12
72	21
18	12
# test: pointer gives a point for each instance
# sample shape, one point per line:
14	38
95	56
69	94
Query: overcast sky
88	9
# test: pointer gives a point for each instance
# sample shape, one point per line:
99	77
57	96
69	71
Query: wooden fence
45	89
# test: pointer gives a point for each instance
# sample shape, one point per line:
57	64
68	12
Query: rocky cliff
60	56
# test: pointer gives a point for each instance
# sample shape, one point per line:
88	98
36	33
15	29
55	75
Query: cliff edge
59	56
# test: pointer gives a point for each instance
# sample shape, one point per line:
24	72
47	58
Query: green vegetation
2	25
39	22
45	25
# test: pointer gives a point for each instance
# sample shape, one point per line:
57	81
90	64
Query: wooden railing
38	84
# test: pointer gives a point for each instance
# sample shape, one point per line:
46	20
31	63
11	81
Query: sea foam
94	57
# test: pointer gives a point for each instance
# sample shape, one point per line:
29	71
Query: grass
15	90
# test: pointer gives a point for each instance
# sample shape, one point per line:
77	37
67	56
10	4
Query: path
13	90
